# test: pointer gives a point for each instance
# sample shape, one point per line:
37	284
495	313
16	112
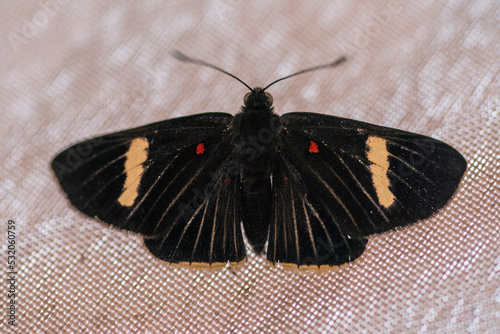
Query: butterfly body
255	131
312	187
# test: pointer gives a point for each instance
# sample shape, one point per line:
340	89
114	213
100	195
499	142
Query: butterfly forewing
151	179
354	179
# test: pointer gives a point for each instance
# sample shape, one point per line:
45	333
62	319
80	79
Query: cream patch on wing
379	157
135	156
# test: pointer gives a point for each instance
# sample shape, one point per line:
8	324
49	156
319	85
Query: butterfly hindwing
152	180
210	232
359	178
304	231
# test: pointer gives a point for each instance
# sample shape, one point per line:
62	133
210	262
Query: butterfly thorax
255	129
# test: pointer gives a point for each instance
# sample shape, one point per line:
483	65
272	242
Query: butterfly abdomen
255	132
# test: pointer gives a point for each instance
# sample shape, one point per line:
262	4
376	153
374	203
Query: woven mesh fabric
72	70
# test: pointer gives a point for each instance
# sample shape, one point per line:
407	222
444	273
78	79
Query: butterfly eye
245	98
269	96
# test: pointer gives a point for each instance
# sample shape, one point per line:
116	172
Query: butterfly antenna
332	64
187	59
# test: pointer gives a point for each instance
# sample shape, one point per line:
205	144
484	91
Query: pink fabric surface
74	70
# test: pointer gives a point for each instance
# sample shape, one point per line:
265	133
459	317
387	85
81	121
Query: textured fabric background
71	70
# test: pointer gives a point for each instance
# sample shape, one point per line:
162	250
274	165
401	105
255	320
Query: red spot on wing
200	148
313	148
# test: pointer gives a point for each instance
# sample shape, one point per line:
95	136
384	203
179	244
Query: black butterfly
312	186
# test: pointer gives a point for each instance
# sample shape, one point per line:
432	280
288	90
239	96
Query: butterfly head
257	99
